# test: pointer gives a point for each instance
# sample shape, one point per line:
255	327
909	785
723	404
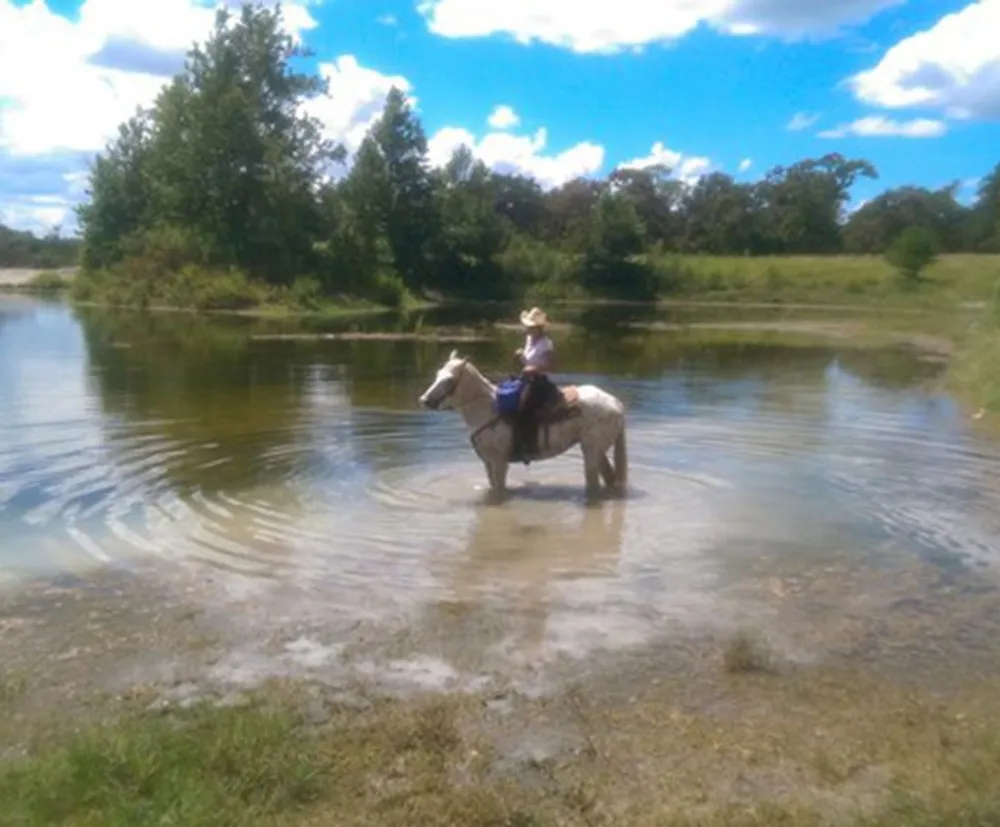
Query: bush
306	293
48	280
389	290
913	250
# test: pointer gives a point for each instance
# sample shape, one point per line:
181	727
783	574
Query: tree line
226	171
19	248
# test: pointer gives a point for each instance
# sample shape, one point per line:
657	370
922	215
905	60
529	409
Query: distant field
953	280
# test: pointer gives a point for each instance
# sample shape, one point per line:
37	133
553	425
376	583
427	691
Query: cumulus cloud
685	168
604	28
877	126
954	67
503	117
800	121
66	84
519	154
745	164
357	96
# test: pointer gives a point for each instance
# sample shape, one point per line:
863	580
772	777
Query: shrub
912	252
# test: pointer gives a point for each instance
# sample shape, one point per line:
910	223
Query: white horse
588	417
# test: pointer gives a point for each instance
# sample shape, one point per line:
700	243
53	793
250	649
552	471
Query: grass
738	746
950	281
217	291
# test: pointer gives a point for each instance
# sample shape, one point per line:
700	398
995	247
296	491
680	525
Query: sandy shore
20	276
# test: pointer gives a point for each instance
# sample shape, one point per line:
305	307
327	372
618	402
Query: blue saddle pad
509	396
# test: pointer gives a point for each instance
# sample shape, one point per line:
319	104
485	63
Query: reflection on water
307	464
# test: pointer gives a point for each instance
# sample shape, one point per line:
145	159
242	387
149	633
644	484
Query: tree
657	199
912	251
473	233
875	225
406	198
720	217
801	206
226	153
615	239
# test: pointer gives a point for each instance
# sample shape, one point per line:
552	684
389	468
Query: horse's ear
454	355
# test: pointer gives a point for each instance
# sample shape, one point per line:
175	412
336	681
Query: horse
583	415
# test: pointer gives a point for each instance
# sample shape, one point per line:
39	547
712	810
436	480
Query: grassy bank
223	291
863	281
771	747
950	281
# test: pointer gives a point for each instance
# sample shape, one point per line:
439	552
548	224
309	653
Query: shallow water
306	468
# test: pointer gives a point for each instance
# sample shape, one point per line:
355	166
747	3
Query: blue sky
912	85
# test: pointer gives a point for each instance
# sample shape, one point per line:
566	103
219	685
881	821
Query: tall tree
802	205
226	152
410	211
615	239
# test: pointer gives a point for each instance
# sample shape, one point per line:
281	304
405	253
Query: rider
536	360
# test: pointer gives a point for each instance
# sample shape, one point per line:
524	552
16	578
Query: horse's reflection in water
524	559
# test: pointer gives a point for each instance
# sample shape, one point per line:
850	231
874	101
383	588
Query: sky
551	88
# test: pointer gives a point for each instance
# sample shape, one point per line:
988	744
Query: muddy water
813	488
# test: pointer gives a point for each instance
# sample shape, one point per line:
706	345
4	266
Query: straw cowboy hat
534	318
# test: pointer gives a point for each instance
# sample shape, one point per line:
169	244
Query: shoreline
790	714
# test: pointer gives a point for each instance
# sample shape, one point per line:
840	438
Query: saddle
564	404
532	433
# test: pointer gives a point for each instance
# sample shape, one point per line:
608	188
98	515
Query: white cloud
685	168
801	120
503	117
745	164
356	99
877	126
66	85
604	28
954	67
38	213
387	20
521	154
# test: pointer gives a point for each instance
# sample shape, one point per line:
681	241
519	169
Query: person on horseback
536	360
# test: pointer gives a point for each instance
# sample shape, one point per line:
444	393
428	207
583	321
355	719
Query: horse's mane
477	374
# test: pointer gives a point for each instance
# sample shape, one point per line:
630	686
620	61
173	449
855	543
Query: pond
776	478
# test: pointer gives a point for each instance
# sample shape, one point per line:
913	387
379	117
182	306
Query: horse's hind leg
592	471
607	471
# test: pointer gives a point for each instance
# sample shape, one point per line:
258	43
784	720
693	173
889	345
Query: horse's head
439	394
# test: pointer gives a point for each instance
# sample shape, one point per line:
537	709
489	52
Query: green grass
780	746
215	291
48	280
974	370
951	280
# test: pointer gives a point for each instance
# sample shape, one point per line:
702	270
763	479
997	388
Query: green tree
875	225
615	240
720	217
473	232
405	192
226	153
801	206
987	212
912	251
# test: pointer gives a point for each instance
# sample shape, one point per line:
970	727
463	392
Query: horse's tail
621	460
